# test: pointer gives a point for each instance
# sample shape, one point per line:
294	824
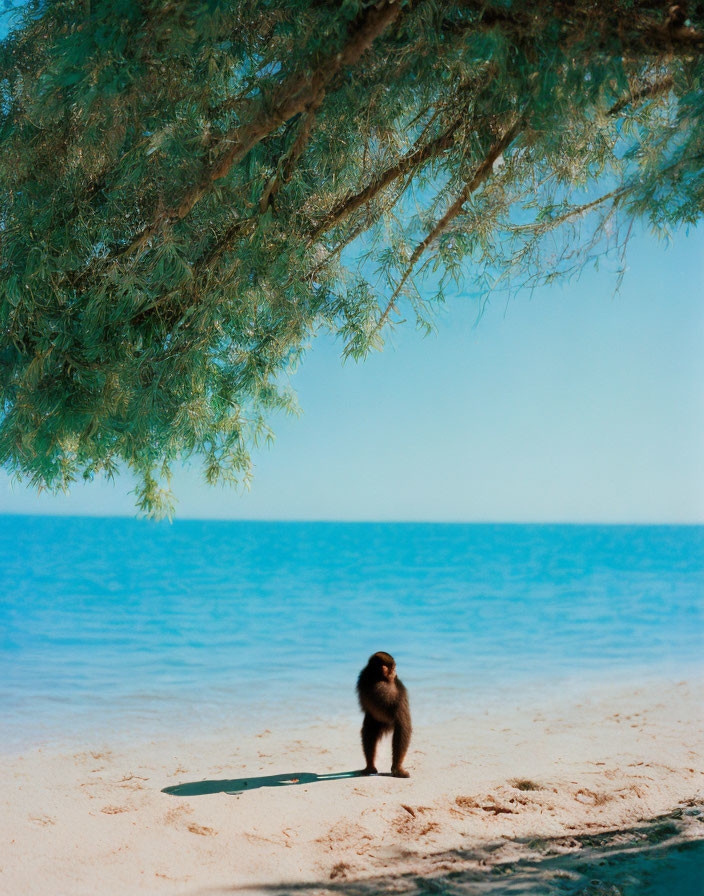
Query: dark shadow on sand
240	785
660	857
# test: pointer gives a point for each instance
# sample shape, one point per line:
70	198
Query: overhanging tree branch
288	162
575	212
641	33
649	91
298	94
480	175
107	358
413	160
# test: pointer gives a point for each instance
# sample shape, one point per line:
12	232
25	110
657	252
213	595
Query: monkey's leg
399	747
371	732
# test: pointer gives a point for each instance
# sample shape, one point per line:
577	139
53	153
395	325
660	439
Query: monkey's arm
377	699
402	734
403	709
382	711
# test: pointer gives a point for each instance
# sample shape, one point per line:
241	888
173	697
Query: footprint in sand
339	871
467	802
173	816
201	829
95	756
486	804
414	825
344	834
589	798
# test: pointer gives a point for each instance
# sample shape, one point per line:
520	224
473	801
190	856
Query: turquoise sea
109	626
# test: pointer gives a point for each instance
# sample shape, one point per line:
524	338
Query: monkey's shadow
241	785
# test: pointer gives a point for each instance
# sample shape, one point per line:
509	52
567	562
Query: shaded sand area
601	796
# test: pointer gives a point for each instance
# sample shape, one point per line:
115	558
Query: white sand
97	821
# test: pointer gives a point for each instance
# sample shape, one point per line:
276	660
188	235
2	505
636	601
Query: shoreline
493	788
164	718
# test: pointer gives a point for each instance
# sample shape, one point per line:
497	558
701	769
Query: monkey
384	702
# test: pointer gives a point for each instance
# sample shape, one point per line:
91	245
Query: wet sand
601	796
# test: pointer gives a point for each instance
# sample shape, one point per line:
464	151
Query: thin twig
480	175
576	211
409	162
646	92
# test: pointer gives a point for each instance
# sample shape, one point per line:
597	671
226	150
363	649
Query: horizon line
355	521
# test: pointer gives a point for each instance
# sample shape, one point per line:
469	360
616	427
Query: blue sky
573	404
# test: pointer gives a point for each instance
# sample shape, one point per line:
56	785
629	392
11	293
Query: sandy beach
351	385
594	790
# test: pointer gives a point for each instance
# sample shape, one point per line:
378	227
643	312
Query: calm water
108	625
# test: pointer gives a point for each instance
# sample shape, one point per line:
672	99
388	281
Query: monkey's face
382	666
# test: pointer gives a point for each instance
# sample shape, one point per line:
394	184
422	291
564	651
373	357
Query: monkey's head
383	665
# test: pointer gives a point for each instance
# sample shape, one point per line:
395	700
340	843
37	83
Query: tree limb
414	159
299	93
288	162
646	92
576	211
642	34
480	175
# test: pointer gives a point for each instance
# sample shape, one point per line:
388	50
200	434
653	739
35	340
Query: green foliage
190	190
